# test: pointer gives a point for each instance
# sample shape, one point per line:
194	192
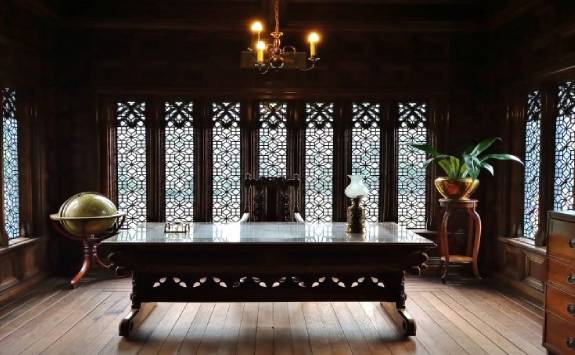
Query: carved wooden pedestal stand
90	243
473	235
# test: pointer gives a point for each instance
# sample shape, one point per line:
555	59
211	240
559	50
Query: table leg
127	323
401	317
397	311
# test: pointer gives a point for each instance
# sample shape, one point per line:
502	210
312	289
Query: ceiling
340	15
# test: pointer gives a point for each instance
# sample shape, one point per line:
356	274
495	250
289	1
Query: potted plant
462	172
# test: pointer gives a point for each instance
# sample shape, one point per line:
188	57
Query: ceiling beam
294	26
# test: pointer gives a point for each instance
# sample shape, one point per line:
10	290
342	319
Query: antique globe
88	214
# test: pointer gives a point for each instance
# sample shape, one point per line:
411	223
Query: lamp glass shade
356	187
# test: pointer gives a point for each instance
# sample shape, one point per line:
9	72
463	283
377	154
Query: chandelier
264	56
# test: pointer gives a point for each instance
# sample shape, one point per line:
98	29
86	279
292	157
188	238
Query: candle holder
356	190
356	217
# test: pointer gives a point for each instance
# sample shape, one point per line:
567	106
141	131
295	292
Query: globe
84	214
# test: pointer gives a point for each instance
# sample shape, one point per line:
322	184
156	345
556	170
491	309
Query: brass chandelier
264	56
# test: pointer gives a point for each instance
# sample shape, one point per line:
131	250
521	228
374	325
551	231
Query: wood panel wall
26	40
534	51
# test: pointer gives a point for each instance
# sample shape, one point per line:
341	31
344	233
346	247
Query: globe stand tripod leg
86	265
96	258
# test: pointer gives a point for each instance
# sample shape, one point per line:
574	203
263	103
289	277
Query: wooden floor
452	319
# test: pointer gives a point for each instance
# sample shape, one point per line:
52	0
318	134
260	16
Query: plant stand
473	236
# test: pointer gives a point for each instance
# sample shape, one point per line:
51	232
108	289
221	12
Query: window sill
525	244
17	243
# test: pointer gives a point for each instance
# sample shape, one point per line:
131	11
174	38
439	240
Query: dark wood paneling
26	65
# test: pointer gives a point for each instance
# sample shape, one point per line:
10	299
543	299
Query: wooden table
268	262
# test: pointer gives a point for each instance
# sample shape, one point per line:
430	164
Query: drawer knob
571	279
572	243
571	342
571	309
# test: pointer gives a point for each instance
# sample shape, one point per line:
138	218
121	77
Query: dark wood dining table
268	262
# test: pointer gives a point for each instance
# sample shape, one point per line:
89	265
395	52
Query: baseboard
526	290
20	287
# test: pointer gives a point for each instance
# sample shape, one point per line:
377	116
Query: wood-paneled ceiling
296	15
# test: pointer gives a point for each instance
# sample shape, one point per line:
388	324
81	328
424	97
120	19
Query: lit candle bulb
313	38
260	48
257	27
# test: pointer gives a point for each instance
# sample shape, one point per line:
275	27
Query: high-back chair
272	199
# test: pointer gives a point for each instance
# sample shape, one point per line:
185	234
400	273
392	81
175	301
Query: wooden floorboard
468	318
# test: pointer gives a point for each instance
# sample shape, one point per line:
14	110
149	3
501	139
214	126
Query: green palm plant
471	161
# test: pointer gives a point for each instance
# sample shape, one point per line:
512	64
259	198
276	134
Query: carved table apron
266	262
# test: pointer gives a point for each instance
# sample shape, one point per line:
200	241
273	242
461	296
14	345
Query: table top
269	233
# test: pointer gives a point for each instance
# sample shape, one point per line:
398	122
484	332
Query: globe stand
89	241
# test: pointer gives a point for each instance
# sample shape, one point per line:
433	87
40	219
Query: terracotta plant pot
456	189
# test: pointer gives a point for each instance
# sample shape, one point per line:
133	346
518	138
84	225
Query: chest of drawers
559	330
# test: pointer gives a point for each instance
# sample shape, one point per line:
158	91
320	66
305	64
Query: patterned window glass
365	151
319	161
226	161
179	155
10	170
412	177
565	147
131	160
272	138
532	160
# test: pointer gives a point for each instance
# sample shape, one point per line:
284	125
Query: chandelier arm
312	66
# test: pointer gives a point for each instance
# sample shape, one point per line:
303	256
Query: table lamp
356	190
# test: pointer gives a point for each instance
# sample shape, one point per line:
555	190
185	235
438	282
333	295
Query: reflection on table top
269	232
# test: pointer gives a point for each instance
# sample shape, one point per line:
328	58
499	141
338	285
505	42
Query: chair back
272	199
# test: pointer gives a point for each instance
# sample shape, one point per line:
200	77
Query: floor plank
484	343
248	329
451	319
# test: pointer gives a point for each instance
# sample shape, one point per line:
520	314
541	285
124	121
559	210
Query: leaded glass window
131	160
272	138
565	148
412	177
365	151
226	161
179	161
319	161
532	164
10	167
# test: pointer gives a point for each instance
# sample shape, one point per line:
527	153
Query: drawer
560	303
561	241
561	274
559	335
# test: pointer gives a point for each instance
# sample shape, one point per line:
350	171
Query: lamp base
355	217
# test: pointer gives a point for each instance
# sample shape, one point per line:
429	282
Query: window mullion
3	233
389	160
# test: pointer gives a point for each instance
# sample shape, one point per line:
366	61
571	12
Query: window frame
249	117
525	120
26	113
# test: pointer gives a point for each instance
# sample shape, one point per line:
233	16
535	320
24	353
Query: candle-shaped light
257	29
313	38
260	48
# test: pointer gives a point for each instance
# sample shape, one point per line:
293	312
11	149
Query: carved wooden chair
272	199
